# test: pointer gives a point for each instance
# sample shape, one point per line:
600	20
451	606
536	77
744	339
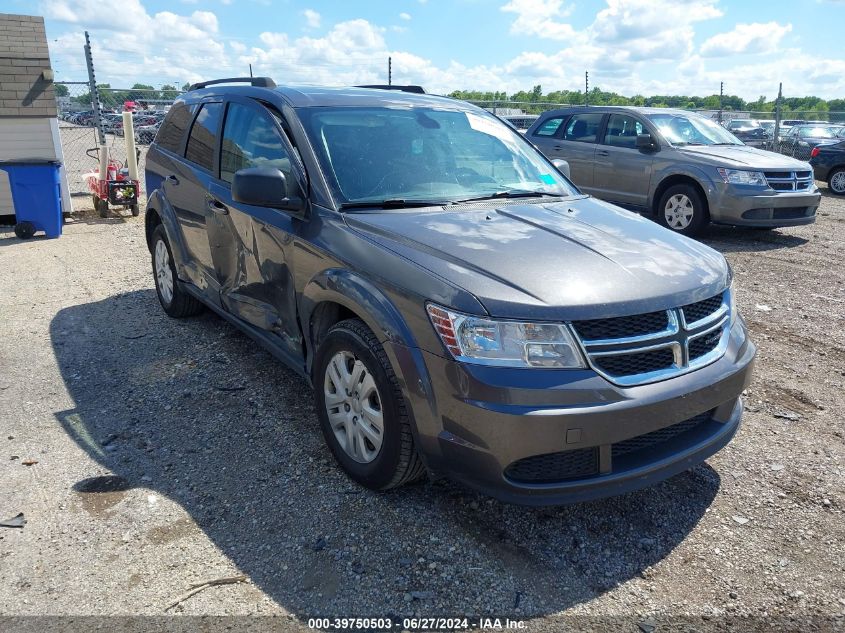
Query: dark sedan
828	163
801	139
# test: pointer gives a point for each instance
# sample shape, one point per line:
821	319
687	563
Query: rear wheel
102	207
682	210
175	301
362	411
25	230
836	181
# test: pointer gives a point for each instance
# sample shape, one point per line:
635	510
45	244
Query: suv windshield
816	132
421	154
683	129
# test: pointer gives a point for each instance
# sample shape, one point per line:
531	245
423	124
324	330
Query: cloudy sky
629	46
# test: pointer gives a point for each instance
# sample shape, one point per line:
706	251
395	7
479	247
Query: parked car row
145	123
680	166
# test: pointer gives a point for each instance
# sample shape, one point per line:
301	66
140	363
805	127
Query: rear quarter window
173	128
549	127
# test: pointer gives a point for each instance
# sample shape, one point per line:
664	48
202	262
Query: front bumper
480	421
746	206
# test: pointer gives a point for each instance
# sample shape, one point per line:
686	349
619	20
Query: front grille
637	363
789	180
652	346
702	345
622	327
552	467
791	213
700	309
582	463
648	440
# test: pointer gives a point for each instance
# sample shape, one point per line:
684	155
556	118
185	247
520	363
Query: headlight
741	177
505	343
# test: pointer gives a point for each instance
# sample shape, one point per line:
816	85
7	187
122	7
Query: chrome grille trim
676	337
785	181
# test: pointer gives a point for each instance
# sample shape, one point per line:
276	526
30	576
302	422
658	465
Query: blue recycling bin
36	196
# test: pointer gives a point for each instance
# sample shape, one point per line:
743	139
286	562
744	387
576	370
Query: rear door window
203	139
583	128
175	124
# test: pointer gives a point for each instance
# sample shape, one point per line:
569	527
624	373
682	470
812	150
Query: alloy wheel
837	182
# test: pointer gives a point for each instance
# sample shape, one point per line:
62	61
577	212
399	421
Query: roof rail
415	89
259	82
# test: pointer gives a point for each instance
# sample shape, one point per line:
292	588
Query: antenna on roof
250	70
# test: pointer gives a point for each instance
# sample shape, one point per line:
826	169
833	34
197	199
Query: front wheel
836	181
362	411
682	210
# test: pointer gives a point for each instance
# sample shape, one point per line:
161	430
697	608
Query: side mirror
645	142
266	187
562	166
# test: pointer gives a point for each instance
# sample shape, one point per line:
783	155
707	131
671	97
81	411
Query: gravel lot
173	452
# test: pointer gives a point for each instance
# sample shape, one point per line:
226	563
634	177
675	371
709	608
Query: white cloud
540	18
746	38
312	18
631	46
405	16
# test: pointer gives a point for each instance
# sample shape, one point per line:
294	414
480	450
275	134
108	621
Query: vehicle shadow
195	411
736	239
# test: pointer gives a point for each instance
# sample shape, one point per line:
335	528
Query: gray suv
458	306
678	165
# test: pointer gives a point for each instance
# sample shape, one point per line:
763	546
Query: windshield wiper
391	203
512	193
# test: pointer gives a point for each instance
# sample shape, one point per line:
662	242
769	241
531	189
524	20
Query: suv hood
741	156
579	258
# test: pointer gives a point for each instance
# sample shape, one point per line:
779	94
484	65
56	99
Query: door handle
602	152
217	207
173	179
558	147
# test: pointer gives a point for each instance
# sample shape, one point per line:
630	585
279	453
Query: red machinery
117	189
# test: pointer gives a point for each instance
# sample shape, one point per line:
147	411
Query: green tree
61	90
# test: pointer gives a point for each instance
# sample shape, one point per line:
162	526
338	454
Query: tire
395	461
102	208
687	214
176	302
25	230
135	209
836	181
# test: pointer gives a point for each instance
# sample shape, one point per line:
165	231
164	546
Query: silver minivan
686	169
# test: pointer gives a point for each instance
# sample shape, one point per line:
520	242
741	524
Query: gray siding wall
23	57
22	139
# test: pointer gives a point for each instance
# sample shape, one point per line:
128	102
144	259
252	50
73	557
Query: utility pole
776	135
95	105
389	71
586	87
721	95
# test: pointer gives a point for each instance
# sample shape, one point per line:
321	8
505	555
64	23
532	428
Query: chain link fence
79	134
